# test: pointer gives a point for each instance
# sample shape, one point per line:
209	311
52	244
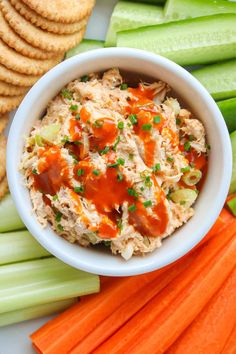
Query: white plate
15	339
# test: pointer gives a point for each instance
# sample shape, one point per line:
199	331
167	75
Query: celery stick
42	281
84	46
19	246
232	188
195	41
9	218
228	110
30	313
180	9
128	15
232	205
219	79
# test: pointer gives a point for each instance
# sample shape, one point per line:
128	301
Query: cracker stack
34	36
3	178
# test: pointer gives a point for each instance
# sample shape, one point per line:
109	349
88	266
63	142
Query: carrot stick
210	330
230	347
132	305
154	328
61	334
68	329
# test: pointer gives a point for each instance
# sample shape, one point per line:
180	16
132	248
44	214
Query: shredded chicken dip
115	164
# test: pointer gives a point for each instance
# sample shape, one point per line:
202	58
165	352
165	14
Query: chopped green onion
232	205
34	171
119	177
187	146
55	197
178	121
79	189
156	167
9	218
120	125
156	119
148	181
98	123
80	172
119	223
132	192
133	119
66	94
77	117
65	139
123	86
105	150
58	216
112	165
96	172
142	189
192	177
73	107
185	169
116	143
120	161
147	204
170	159
77	142
84	78
191	137
132	207
146	127
60	227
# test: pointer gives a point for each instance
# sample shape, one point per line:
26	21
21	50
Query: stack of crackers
34	36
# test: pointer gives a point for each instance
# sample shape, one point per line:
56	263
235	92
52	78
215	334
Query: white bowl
210	200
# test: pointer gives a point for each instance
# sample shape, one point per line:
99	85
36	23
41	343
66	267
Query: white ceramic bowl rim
211	198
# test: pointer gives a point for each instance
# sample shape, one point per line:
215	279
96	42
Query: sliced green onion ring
185	197
192	177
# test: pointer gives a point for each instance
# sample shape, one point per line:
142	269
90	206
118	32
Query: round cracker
17	62
3	187
9	103
14	78
16	42
39	21
37	37
65	11
4	119
11	90
3	143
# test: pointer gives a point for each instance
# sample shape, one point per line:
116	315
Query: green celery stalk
38	311
37	282
181	9
232	188
130	15
228	110
19	246
232	205
84	46
219	79
9	218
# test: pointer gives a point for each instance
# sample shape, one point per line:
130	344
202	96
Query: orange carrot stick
154	328
68	329
132	305
230	347
210	330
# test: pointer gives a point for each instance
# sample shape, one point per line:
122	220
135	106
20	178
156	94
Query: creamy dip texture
115	164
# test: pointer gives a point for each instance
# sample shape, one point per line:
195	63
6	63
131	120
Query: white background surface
15	339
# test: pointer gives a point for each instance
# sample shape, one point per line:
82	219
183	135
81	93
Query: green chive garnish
123	87
96	172
187	146
80	172
98	123
120	161
60	227
66	94
116	143
132	192
120	125
133	119
74	107
185	169
170	159
147	204
119	177
132	207
58	216
147	127
156	167
77	117
79	189
178	121
105	150
156	119
84	78
34	171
